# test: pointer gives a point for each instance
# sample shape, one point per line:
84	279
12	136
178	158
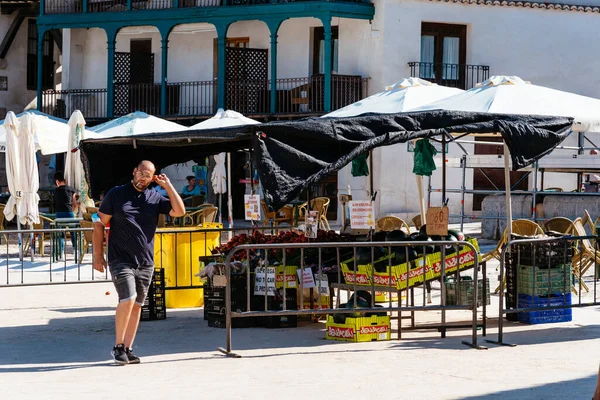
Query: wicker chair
416	221
284	215
391	223
321	204
521	227
2	222
39	237
560	225
586	257
88	239
206	214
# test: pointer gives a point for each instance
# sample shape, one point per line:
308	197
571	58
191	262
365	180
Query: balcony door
134	80
443	53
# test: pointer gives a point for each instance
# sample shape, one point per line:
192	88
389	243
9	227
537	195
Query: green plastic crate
535	281
461	293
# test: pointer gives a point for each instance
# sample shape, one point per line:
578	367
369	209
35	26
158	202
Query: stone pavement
55	343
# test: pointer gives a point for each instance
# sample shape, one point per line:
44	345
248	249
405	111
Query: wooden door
493	178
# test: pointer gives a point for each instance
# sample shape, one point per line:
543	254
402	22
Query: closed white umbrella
28	211
74	174
13	166
51	133
219	178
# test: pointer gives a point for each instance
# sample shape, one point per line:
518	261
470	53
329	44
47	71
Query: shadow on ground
582	388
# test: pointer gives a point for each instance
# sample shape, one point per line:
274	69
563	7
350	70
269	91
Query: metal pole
462	192
507	188
443	168
535	182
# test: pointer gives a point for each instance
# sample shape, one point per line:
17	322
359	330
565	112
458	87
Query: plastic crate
545	316
154	307
461	293
542	254
218	321
536	281
275	303
362	329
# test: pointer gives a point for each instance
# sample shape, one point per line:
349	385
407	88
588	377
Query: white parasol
219	177
74	174
220	183
28	212
13	166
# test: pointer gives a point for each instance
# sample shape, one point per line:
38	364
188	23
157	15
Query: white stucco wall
17	96
548	48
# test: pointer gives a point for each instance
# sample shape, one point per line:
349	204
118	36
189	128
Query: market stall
290	156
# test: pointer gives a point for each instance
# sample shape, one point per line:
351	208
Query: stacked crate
214	303
154	307
461	293
275	303
539	276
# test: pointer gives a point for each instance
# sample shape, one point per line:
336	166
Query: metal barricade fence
544	274
62	267
257	254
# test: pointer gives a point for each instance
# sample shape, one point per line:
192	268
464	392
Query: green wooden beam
328	64
221	65
214	15
111	38
273	29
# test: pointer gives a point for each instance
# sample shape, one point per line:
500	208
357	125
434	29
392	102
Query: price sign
262	281
306	277
252	207
362	215
322	284
437	221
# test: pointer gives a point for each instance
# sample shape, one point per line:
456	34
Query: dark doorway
495	175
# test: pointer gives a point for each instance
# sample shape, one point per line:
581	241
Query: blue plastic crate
545	316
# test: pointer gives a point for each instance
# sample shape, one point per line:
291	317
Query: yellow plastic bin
177	253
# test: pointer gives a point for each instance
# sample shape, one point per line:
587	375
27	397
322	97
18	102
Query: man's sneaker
119	354
133	359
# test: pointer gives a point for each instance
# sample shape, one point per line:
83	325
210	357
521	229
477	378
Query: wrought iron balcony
94	6
294	96
452	75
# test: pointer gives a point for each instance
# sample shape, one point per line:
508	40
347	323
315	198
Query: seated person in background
64	200
191	189
160	190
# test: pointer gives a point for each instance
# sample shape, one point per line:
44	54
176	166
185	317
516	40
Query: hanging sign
437	221
322	284
306	277
311	224
362	215
252	207
262	281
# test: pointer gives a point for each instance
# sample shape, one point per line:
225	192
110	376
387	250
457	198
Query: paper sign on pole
312	224
362	215
306	277
322	284
252	207
260	281
437	221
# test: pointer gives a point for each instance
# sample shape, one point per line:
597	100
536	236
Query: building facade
183	59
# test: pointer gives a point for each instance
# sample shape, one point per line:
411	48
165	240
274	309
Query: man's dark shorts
132	281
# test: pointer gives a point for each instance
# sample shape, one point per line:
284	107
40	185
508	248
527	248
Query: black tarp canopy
289	156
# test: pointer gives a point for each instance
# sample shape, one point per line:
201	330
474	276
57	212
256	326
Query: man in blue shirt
132	211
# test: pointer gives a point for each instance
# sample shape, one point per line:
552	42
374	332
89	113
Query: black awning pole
443	168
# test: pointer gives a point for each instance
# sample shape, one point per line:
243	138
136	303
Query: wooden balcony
97	6
452	75
294	97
